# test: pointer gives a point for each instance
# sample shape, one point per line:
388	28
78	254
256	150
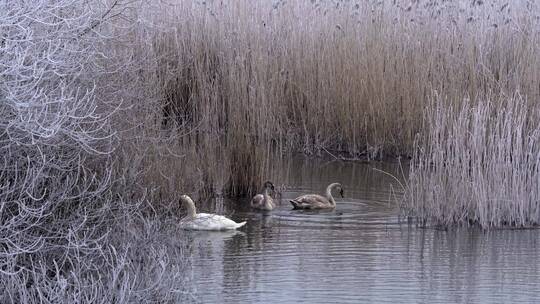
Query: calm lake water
357	253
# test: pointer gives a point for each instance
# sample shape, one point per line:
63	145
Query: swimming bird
264	201
315	201
204	221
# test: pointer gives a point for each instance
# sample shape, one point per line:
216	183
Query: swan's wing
310	201
257	201
272	204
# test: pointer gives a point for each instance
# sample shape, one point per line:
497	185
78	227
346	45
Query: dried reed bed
338	75
477	165
225	85
243	80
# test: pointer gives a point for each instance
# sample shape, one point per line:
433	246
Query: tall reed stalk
477	165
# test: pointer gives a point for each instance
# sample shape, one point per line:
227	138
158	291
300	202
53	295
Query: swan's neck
266	196
329	194
190	206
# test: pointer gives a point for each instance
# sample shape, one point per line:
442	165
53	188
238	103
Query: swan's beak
341	192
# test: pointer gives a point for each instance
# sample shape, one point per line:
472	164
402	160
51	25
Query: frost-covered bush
57	109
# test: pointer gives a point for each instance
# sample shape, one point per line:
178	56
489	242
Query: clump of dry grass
477	165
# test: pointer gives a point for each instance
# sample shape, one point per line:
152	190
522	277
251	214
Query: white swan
264	201
315	201
204	221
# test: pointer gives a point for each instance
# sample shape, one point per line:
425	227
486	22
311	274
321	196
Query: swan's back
311	201
257	202
206	221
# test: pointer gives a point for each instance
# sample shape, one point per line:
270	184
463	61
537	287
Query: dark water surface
357	253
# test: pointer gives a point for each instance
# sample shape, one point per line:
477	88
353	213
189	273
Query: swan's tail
295	204
238	225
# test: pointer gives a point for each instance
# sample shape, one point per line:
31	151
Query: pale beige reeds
478	165
351	77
